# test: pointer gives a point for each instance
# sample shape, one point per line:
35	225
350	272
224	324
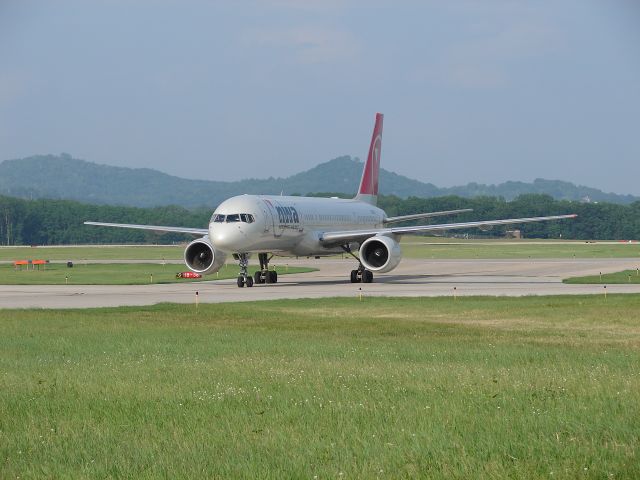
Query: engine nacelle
202	257
380	254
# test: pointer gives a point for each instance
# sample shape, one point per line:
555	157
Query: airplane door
275	219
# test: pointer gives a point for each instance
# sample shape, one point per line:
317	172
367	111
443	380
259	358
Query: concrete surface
411	278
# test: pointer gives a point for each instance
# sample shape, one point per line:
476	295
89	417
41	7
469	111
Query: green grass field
117	274
536	387
626	276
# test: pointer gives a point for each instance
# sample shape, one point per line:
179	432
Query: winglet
368	190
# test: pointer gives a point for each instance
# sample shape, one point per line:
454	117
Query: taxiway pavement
412	278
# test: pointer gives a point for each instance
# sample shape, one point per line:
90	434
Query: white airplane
301	226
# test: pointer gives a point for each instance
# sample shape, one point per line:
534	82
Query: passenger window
233	218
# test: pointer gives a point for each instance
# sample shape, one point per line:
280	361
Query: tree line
60	222
595	221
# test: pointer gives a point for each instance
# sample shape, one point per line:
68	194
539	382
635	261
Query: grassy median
626	276
118	274
96	252
425	247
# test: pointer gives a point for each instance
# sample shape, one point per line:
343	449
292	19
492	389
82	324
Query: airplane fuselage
287	225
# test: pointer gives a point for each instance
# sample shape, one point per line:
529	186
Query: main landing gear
264	275
361	274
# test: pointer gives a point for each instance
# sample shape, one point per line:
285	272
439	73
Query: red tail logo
369	182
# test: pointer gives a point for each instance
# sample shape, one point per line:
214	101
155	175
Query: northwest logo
287	215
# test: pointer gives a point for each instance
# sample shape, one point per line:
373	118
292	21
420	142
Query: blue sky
483	91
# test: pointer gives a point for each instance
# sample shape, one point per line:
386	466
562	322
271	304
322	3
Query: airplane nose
227	239
220	240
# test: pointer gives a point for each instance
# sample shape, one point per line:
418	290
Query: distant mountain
558	189
64	177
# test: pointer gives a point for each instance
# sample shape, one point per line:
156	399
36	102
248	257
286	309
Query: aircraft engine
202	257
380	254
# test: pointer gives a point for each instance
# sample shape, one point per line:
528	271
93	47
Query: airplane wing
416	216
155	228
336	238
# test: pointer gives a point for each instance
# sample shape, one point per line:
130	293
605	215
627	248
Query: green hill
64	177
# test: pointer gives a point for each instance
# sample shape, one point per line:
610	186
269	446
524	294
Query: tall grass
541	387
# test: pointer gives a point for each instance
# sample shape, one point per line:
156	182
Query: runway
412	278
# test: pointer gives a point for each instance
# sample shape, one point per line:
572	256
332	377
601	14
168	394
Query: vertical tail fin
368	190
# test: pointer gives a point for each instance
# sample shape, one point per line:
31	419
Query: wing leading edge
154	228
334	238
404	218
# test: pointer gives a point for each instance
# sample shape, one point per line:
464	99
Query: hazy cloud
485	52
12	86
305	5
485	62
306	44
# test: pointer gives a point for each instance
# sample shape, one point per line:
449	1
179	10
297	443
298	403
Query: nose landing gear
244	278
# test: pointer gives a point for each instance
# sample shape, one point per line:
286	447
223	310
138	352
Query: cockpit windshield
233	218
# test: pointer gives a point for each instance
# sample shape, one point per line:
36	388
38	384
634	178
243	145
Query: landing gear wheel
266	275
271	276
240	282
354	276
367	276
249	282
257	277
